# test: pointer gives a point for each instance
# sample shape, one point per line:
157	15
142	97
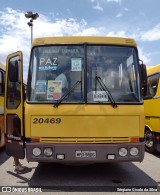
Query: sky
137	19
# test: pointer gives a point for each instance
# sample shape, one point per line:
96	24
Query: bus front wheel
149	141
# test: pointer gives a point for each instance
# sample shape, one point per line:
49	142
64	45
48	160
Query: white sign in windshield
100	96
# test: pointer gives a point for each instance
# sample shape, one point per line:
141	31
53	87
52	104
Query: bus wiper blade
66	94
104	88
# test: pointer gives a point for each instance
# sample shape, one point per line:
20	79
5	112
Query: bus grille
84	140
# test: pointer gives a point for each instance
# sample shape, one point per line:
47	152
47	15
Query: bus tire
149	141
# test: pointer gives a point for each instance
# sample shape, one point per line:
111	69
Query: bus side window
152	85
151	90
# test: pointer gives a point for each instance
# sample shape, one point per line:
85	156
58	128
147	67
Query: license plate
85	154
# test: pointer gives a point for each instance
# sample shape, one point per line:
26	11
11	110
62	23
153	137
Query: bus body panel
83	39
152	112
83	121
85	126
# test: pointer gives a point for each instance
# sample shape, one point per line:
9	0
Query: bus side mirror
13	68
144	78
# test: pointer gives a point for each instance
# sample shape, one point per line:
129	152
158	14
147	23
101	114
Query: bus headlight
122	152
36	151
48	151
134	151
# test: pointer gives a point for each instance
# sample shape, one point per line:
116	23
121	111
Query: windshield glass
117	67
55	70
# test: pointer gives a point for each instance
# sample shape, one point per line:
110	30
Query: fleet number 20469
46	120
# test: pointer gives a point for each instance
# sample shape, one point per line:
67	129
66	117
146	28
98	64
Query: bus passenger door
2	76
14	106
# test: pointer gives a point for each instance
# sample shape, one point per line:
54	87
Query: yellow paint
152	110
85	121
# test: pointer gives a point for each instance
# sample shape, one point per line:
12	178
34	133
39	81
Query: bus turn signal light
35	139
134	139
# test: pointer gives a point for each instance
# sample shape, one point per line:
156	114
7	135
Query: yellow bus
2	81
152	111
84	101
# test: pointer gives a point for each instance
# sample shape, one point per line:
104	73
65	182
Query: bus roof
84	39
2	67
153	69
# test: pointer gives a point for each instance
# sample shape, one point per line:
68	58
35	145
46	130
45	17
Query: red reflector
134	139
158	137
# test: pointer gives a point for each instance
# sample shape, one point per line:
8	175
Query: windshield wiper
104	88
66	94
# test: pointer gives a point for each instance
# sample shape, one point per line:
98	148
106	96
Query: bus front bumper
88	153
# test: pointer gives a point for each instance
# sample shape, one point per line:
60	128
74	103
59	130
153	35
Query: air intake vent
84	140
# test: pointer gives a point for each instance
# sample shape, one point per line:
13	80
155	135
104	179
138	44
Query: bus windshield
55	69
